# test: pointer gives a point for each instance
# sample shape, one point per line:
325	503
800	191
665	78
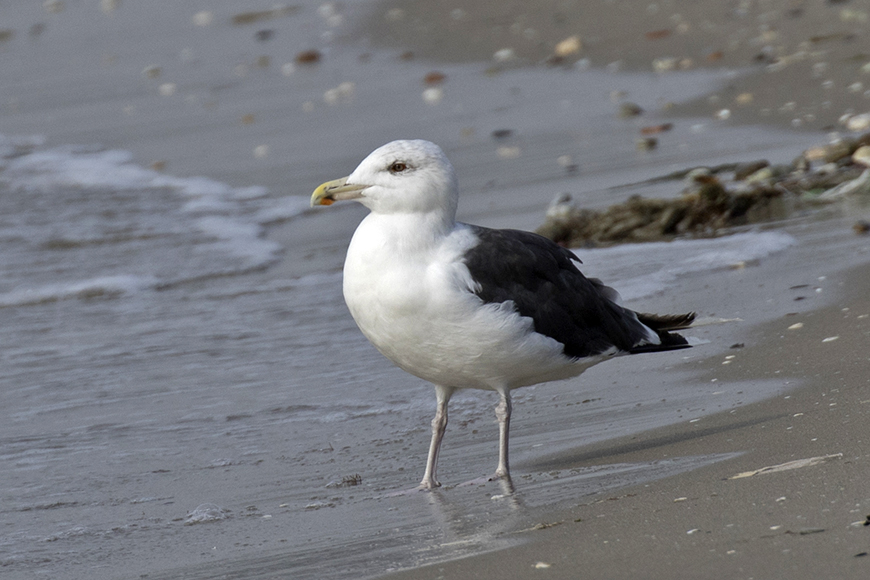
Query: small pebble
665	64
504	55
277	11
646	143
433	95
434	78
656	129
723	114
264	35
168	89
569	46
261	151
509	152
628	110
151	71
343	93
796	326
830	339
861	227
829	153
542	565
566	162
658	34
745	170
203	18
862	155
858	122
308	57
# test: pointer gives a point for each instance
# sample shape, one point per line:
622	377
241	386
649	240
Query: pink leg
439	425
503	414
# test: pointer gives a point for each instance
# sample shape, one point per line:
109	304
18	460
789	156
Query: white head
399	177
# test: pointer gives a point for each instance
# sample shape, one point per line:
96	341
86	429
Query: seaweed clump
718	198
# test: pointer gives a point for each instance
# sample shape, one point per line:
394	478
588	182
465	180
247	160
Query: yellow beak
336	190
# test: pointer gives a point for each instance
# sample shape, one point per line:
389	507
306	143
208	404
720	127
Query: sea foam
641	270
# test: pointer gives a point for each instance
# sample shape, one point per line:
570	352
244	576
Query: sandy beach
185	395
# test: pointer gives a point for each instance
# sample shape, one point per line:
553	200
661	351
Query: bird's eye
398	167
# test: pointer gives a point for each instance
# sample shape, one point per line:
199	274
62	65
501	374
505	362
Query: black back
542	280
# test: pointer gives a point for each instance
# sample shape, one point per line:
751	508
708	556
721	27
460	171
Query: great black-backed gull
467	307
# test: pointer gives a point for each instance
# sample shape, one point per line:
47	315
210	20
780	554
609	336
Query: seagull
468	307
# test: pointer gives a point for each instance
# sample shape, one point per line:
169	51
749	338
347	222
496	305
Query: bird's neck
408	232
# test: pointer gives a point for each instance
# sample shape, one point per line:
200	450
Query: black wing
541	279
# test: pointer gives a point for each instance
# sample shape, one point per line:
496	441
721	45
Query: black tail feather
666	321
661	324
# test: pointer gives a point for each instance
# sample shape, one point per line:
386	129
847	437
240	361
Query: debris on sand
796	464
277	11
717	198
312	56
206	513
347	481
